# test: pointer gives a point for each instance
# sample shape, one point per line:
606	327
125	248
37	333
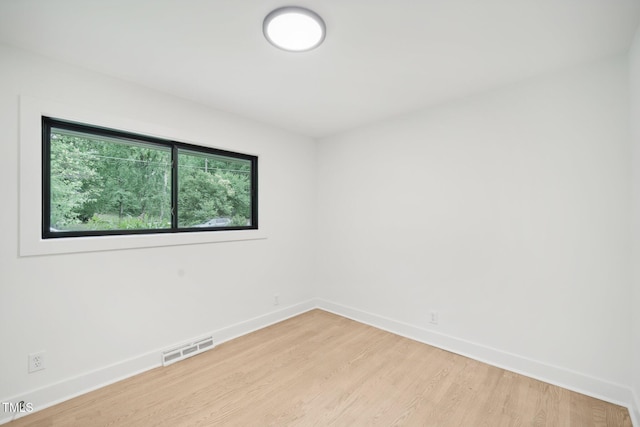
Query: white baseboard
53	394
571	380
634	408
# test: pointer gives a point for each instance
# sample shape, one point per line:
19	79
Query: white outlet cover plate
36	361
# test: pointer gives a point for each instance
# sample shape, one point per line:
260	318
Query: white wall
507	212
634	73
91	310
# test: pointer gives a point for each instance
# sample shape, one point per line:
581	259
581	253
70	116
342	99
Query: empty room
320	213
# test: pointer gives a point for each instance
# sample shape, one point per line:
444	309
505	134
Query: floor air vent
187	350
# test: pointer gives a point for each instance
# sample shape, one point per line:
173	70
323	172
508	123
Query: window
99	181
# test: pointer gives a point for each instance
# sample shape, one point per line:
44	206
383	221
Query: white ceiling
381	57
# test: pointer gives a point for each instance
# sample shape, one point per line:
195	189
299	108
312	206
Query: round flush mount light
294	29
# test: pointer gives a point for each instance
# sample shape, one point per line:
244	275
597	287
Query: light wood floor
319	369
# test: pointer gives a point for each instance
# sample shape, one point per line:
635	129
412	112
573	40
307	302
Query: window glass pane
108	183
213	190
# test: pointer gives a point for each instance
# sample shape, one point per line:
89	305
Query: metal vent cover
187	350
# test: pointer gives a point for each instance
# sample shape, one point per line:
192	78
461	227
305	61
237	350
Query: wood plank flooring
319	369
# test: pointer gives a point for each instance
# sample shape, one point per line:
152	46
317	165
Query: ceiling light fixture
294	29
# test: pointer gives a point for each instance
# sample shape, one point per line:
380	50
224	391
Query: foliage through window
99	181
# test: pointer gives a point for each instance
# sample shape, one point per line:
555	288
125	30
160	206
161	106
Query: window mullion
174	187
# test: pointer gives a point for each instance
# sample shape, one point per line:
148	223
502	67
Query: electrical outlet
276	299
36	362
433	319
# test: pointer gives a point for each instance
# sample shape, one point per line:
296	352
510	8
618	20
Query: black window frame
49	122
